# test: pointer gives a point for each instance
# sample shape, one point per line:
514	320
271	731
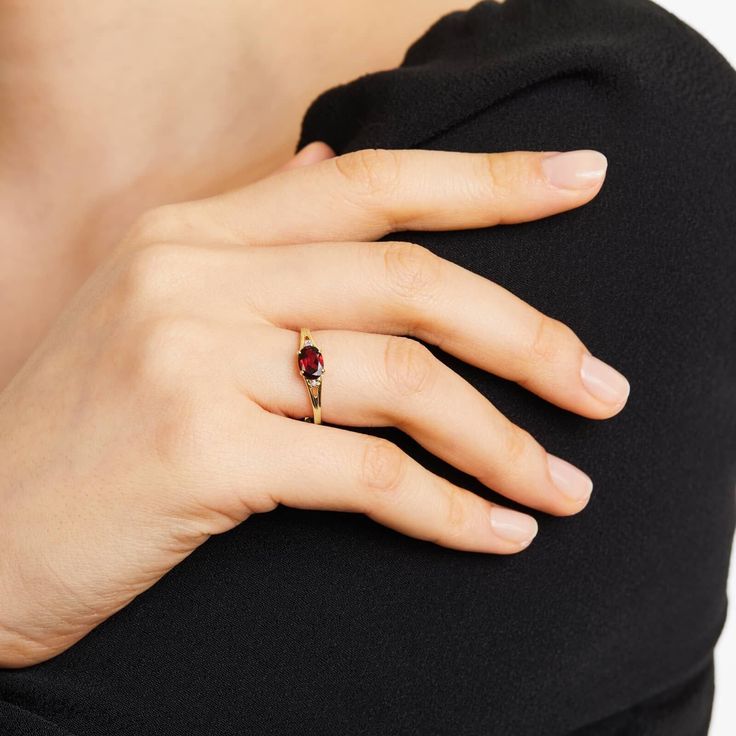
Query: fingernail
575	169
513	526
570	481
603	382
314	152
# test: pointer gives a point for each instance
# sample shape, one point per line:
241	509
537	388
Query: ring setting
311	365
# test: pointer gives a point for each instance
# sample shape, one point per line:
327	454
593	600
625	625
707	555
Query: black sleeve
17	721
627	599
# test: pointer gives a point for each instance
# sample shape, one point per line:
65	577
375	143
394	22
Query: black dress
320	623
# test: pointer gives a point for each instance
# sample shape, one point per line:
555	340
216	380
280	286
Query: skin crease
90	145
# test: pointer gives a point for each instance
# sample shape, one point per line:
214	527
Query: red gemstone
311	363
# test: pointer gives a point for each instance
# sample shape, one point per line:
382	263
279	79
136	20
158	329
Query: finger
379	380
400	288
367	194
311	154
326	468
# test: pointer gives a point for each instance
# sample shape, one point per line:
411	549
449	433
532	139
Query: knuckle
496	170
154	225
370	171
412	272
517	444
163	364
509	171
383	466
507	175
547	340
456	519
409	366
150	273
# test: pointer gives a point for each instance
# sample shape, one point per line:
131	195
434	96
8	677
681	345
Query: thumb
311	154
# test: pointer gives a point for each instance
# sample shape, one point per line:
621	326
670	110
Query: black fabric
320	623
681	710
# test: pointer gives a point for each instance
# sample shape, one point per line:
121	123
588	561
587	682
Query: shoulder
470	61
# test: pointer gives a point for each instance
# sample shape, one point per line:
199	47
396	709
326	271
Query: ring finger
384	380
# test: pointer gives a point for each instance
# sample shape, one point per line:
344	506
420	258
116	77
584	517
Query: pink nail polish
603	382
575	169
513	526
569	480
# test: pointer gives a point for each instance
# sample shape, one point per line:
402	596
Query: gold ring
311	365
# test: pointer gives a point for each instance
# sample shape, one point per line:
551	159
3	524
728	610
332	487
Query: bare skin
140	425
105	112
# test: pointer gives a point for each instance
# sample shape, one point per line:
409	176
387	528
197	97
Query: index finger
368	194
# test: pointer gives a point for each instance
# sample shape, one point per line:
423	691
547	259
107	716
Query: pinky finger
337	470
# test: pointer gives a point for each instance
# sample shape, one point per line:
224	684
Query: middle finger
404	289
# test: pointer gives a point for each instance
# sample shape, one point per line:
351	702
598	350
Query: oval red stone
311	363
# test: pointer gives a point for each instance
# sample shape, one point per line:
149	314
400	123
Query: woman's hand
161	408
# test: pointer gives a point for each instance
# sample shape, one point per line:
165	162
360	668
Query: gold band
311	366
